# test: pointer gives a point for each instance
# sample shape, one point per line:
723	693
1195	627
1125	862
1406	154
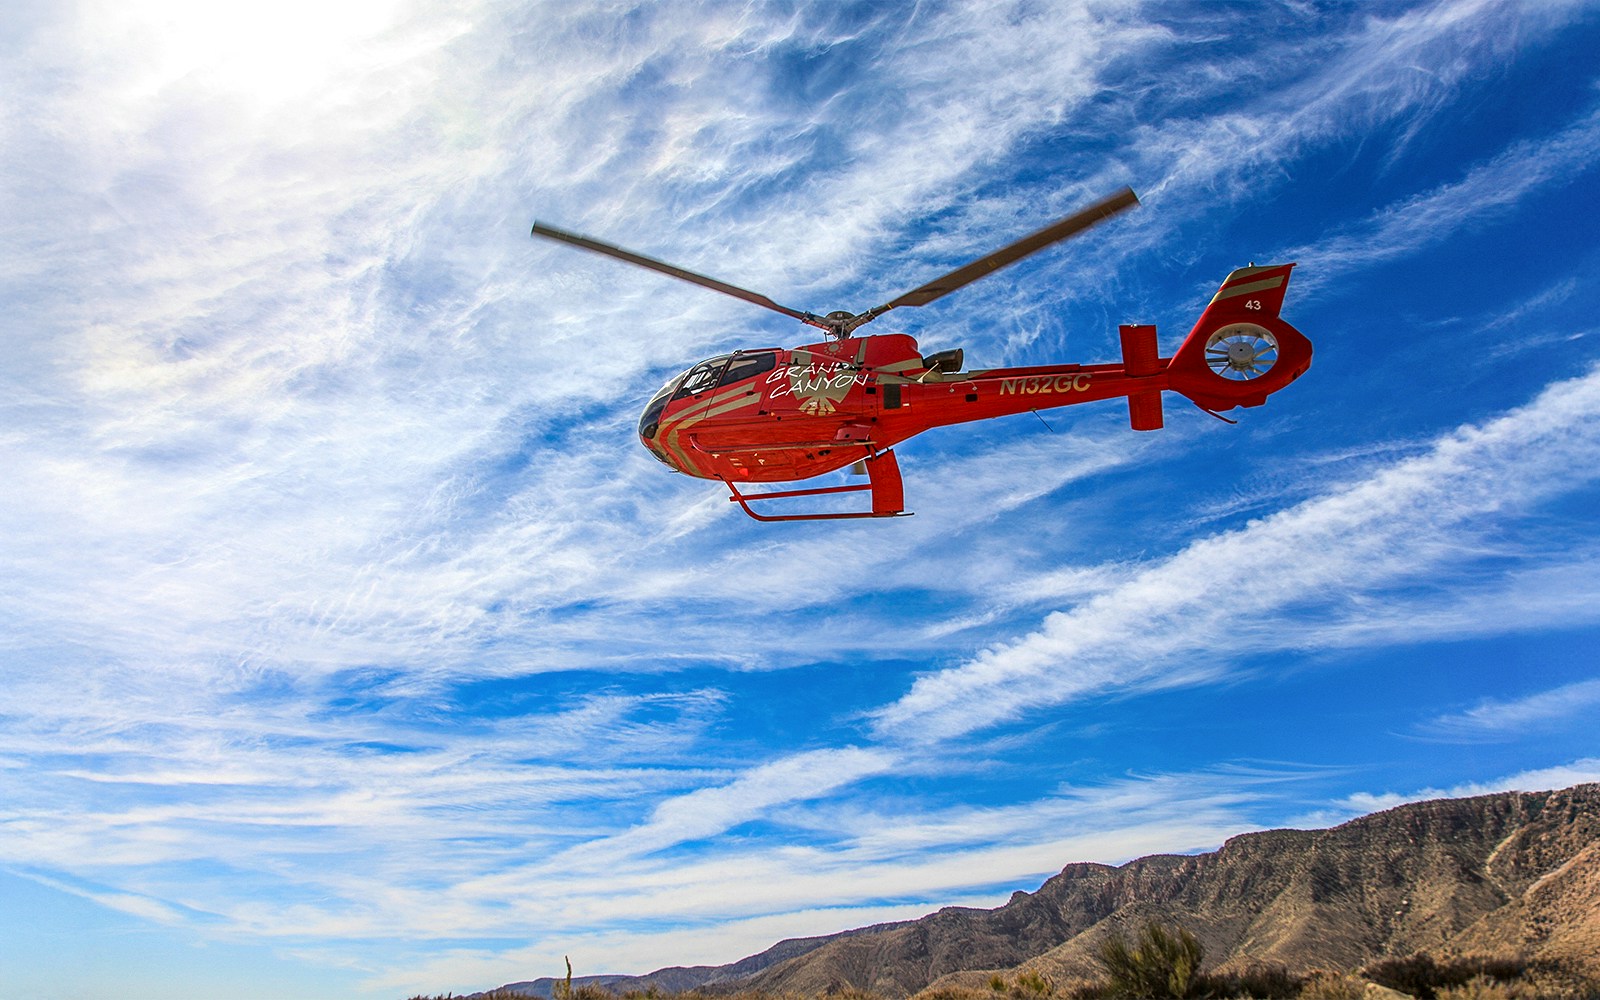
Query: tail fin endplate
1141	357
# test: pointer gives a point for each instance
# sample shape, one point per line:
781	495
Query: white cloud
706	812
1519	718
642	952
1578	772
1227	596
1488	192
813	890
1401	65
153	910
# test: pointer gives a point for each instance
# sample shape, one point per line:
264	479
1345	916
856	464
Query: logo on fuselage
819	386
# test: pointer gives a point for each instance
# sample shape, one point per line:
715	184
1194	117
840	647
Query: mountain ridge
1509	872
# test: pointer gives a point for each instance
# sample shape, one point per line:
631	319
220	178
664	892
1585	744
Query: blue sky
353	646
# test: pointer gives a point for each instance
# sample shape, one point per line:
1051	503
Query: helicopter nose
659	453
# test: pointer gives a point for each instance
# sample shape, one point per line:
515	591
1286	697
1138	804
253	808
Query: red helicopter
774	415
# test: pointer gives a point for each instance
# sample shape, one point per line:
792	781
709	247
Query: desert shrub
1158	963
1417	975
1261	981
1322	984
954	993
1422	976
1500	968
843	991
1555	979
1024	985
1488	988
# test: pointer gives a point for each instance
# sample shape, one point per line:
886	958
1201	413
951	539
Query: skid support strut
883	480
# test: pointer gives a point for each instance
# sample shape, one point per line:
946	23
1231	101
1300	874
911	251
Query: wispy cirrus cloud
865	869
1578	772
1388	532
1514	719
1489	191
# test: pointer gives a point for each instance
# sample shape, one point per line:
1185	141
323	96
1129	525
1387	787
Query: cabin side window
746	366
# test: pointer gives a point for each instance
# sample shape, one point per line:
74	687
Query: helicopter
774	415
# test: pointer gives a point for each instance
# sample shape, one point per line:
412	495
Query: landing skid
883	481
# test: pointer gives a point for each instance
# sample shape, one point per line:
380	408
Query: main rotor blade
1053	233
551	232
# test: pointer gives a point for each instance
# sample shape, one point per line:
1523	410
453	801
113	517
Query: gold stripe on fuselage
713	405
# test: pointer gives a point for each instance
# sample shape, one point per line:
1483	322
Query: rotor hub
1241	352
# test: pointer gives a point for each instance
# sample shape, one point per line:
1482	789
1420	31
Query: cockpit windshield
658	403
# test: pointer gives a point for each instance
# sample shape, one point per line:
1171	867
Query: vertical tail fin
1241	351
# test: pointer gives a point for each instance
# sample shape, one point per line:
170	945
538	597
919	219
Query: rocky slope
1516	872
681	979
